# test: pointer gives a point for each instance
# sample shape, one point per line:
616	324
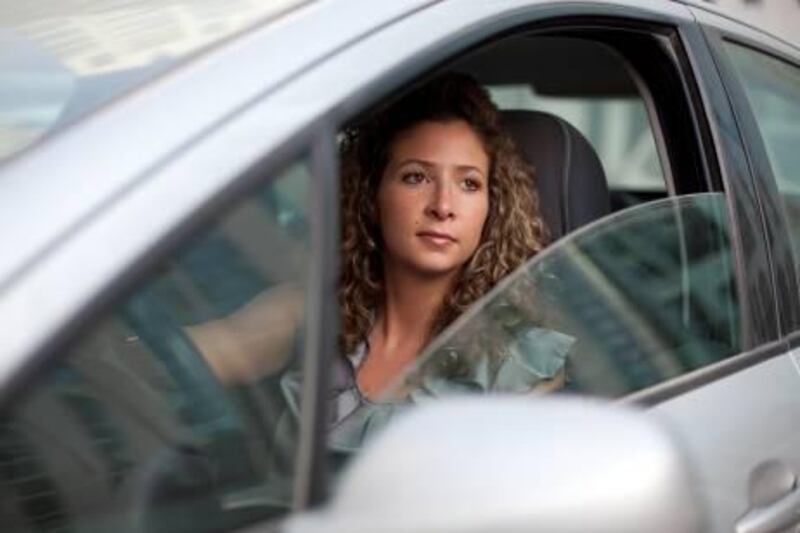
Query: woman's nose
440	203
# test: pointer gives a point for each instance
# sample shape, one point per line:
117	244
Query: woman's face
433	197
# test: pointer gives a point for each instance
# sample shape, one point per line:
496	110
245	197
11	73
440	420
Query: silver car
166	162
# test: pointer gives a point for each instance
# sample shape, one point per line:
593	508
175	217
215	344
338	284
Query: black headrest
569	176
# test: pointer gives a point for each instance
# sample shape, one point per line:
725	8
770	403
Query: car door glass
773	89
135	428
635	299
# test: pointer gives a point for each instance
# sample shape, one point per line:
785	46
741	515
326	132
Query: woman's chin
426	265
437	269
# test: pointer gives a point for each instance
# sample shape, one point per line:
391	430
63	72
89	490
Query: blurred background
60	59
781	17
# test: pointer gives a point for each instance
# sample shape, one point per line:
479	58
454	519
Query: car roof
50	191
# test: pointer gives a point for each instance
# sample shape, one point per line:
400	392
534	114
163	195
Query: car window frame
760	307
711	106
767	195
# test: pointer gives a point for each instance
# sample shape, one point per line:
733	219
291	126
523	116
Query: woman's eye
413	177
471	184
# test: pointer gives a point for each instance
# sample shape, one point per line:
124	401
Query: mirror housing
514	464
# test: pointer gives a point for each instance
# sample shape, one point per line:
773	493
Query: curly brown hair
513	230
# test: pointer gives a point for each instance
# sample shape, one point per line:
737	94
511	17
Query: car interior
572	183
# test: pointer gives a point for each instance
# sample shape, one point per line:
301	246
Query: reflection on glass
134	429
34	91
641	296
773	89
59	60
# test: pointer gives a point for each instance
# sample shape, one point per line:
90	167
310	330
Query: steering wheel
182	479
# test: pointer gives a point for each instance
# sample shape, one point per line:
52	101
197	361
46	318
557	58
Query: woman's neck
411	304
401	329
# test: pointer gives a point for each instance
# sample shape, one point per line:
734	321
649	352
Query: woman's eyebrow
429	164
422	162
469	168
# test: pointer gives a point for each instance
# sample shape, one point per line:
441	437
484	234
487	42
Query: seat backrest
569	176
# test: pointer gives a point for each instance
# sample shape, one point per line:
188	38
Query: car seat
569	176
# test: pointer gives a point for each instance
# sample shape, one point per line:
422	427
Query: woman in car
437	207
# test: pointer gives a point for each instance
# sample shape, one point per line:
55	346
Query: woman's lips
435	237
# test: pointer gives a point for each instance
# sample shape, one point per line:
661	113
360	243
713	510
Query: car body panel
731	426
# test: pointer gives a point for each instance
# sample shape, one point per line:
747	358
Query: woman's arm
256	340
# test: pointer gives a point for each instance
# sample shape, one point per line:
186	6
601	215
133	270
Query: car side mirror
514	464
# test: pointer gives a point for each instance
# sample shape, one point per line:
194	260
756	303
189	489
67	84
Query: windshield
637	298
60	59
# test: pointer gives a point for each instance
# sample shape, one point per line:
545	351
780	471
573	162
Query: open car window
594	88
616	125
633	300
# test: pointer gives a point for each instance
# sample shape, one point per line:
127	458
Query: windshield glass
60	59
637	298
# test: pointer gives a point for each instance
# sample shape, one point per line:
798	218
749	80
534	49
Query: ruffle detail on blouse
537	354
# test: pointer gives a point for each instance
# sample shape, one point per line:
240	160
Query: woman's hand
550	385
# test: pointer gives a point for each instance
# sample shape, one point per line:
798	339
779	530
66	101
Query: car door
672	303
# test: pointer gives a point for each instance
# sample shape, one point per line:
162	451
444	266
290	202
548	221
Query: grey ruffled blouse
536	355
